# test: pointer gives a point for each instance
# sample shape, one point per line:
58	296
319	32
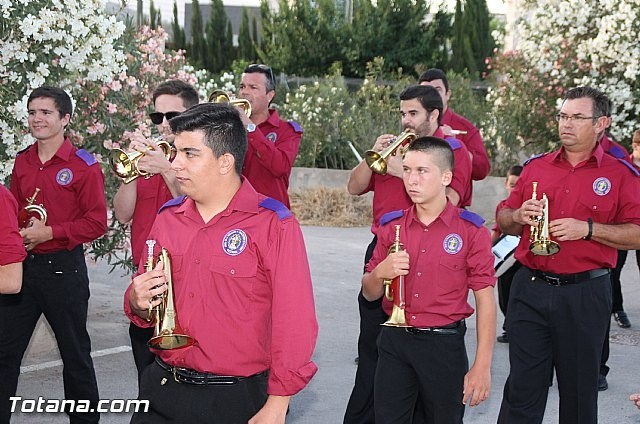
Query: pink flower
111	108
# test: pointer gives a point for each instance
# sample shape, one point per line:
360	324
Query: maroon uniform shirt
272	150
11	247
151	194
447	258
603	188
71	190
473	140
242	289
389	193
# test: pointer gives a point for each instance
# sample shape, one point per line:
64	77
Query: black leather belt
189	376
453	328
565	279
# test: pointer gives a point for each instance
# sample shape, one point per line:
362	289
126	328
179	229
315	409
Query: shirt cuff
292	382
133	317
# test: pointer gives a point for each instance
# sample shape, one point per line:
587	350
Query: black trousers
504	287
142	356
561	327
424	368
616	296
174	402
57	286
360	409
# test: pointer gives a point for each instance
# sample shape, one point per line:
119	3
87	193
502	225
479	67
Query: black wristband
588	236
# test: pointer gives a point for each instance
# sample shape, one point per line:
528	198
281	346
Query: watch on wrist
251	127
590	233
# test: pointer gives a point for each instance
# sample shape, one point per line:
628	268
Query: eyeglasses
263	69
158	117
561	117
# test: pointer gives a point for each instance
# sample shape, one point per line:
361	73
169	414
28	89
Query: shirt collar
246	200
64	151
597	154
439	134
446	216
274	118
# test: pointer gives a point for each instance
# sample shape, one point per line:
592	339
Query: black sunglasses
158	117
263	69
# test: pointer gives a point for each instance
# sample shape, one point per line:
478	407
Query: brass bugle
394	290
125	165
219	96
541	243
377	161
167	334
32	211
456	132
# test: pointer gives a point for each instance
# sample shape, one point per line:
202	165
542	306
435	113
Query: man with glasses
139	201
273	143
560	305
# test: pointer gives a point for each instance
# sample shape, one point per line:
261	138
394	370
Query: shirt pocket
234	275
451	273
599	208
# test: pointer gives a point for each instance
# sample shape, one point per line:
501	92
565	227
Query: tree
197	50
245	45
479	33
154	16
179	42
139	13
563	44
218	55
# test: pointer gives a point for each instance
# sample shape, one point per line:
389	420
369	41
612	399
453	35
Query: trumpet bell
377	162
219	96
31	211
544	247
170	341
397	318
125	165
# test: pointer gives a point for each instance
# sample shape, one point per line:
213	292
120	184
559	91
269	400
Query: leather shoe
622	319
503	338
602	383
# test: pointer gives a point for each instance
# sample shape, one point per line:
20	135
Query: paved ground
336	261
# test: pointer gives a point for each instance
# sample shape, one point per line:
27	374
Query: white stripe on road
96	354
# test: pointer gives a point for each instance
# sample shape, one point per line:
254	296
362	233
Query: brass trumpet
32	211
125	165
219	96
377	161
394	290
541	243
167	332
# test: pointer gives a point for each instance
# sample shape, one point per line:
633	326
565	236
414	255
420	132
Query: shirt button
566	191
197	261
191	295
595	207
413	317
419	274
41	168
422	251
233	271
415	295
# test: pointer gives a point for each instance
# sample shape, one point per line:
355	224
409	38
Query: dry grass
331	207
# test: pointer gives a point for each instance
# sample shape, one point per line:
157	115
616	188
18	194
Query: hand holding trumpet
145	290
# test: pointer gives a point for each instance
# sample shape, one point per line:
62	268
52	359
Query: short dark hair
515	170
434	74
179	88
263	69
222	126
438	147
428	96
601	102
59	96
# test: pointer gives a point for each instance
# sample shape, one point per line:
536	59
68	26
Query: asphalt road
336	264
